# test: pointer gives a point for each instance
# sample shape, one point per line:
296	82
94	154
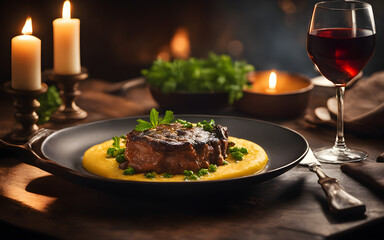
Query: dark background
118	38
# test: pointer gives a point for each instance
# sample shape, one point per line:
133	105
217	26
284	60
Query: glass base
339	155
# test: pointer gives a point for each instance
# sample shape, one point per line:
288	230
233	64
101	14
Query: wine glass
340	41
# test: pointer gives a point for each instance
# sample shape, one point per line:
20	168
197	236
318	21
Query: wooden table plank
291	206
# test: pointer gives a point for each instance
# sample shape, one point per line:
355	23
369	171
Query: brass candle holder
69	91
26	104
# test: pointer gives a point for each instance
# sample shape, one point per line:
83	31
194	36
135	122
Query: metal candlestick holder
69	91
26	104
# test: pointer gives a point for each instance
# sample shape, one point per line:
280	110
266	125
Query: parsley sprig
116	151
216	73
154	120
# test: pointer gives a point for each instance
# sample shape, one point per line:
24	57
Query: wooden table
36	204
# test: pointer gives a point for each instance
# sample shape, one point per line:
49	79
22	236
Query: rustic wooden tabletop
37	205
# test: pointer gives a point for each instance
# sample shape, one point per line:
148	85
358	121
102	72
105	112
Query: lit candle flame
67	10
272	80
27	29
180	45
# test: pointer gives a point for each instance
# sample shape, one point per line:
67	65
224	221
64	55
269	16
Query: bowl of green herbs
191	84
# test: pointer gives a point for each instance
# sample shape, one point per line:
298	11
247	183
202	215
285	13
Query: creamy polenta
95	160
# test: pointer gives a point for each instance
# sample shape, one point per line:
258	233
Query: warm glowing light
180	45
27	29
67	10
272	80
164	55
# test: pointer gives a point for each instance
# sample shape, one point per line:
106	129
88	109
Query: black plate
65	148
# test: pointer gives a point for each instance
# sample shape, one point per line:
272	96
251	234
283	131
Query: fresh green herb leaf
238	153
129	171
150	175
192	177
116	151
116	142
167	175
154	120
110	151
188	173
49	102
212	168
225	162
244	150
120	158
217	73
154	117
207	126
167	118
142	126
202	172
234	149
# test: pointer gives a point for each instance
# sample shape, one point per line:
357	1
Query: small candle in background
66	43
276	82
26	60
275	94
272	83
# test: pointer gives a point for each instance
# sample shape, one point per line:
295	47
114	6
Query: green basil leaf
142	126
154	117
167	118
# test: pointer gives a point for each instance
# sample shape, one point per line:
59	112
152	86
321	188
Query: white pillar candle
26	60
66	43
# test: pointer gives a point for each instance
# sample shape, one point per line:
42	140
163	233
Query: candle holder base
69	91
26	104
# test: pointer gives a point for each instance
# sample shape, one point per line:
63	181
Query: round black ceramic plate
65	148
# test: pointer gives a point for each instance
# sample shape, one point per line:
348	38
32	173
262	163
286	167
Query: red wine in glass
340	53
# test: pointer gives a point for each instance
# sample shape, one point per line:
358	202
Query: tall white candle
26	60
66	43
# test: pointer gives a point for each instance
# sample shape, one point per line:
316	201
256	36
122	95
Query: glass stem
340	141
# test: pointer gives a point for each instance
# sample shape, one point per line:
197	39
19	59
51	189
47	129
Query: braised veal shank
173	148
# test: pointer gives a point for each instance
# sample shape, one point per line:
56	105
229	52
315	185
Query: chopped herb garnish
154	120
150	175
202	172
129	171
212	168
238	153
207	126
184	123
192	177
116	142
244	150
167	175
111	151
120	158
116	151
189	175
225	162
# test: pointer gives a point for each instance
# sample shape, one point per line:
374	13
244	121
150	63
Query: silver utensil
339	201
